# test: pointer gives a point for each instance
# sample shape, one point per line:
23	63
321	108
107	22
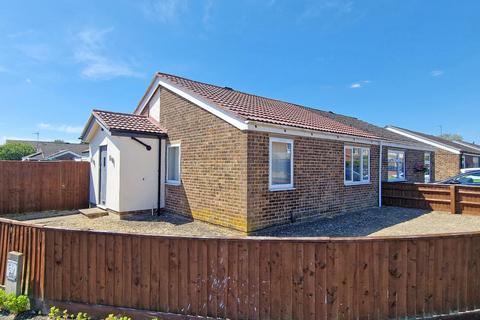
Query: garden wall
254	278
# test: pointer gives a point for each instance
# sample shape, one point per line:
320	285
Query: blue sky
409	63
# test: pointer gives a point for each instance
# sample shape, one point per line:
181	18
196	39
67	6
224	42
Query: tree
15	150
58	141
451	136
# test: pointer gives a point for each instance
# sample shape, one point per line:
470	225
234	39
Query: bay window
357	165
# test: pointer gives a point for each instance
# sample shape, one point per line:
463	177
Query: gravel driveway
386	221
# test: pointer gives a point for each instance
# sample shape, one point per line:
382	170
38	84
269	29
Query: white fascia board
408	146
92	130
61	153
222	114
424	140
466	145
293	131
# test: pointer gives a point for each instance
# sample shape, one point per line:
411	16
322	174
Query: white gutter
424	140
380	176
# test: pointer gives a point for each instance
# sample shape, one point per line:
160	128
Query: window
476	162
427	164
173	164
396	165
281	164
357	165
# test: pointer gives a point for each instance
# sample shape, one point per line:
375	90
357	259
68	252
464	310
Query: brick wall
447	164
213	164
318	182
412	157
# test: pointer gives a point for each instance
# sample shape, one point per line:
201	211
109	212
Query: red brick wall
318	182
213	164
447	164
412	157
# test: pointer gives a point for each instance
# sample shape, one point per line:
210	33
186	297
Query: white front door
103	175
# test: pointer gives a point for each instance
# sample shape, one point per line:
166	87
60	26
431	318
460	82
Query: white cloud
60	128
91	52
360	84
20	34
28	80
36	51
165	11
314	9
207	13
436	73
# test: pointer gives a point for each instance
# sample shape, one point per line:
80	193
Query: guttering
159	182
424	140
380	159
295	131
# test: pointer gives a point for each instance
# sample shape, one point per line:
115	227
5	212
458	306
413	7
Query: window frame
351	182
404	166
169	181
285	186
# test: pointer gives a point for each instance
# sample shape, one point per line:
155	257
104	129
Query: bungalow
55	150
240	160
450	156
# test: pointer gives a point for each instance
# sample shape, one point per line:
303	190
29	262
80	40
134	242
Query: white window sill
357	183
173	183
281	188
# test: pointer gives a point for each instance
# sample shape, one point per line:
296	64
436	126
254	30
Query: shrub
15	304
15	150
3	298
117	317
55	314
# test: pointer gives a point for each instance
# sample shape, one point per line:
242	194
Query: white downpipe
380	176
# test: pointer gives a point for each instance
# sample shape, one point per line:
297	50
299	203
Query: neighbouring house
450	156
55	151
240	160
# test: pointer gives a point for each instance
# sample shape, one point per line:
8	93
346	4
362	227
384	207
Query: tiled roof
368	127
123	122
46	149
448	143
255	108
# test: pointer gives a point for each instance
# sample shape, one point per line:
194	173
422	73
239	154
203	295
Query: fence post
453	199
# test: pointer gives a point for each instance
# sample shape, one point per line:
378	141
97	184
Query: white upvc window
280	163
173	163
357	165
396	165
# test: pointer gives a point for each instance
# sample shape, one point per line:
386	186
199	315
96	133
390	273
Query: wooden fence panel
324	278
450	198
38	186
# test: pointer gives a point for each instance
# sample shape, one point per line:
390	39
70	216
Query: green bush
14	304
55	314
16	150
117	317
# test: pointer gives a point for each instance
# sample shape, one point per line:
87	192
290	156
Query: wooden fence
248	278
38	186
441	197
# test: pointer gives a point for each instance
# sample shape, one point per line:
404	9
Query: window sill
397	180
173	183
281	189
359	183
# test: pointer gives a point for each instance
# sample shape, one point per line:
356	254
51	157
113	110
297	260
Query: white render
132	172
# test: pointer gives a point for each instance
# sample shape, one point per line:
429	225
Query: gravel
386	221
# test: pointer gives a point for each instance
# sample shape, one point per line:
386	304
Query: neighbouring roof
117	122
255	108
368	127
468	144
461	148
48	149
